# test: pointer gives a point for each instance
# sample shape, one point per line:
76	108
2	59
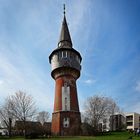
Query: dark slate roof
65	35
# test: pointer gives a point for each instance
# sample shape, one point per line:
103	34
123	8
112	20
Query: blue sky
105	32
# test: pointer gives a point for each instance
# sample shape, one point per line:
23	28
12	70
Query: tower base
70	123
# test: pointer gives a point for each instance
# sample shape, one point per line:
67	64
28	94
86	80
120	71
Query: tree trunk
10	126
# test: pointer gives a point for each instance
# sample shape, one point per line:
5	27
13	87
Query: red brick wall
73	114
58	94
57	123
75	123
73	93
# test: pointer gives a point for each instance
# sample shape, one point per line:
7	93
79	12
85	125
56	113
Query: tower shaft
66	117
65	62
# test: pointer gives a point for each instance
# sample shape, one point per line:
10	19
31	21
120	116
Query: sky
105	32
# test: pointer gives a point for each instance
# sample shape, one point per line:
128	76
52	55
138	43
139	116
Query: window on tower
78	59
71	55
59	55
65	103
68	54
66	122
64	54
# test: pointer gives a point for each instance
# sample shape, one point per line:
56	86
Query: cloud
19	70
1	82
89	81
137	88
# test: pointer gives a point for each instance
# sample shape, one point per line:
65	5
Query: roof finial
64	8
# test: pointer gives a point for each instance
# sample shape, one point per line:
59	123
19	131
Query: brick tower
65	62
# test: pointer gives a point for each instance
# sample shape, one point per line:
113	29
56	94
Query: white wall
66	98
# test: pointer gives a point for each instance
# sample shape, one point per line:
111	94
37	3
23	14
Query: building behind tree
117	122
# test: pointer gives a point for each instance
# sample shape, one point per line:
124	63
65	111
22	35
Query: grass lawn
111	136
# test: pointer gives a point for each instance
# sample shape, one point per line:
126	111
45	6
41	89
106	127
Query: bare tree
98	108
6	116
113	108
43	117
22	107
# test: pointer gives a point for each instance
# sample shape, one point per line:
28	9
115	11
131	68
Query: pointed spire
64	9
65	39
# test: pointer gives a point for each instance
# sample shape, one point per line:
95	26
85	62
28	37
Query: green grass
111	136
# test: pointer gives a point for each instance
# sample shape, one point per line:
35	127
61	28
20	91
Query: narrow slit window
65	103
